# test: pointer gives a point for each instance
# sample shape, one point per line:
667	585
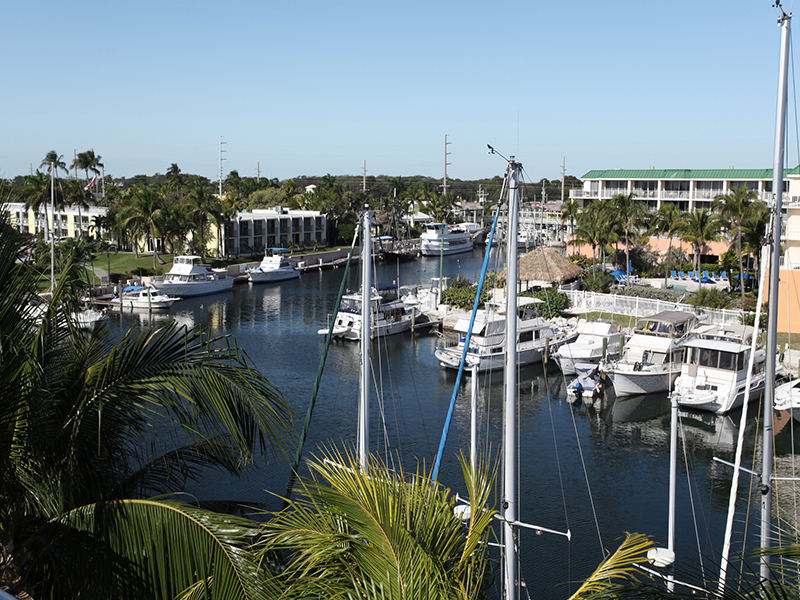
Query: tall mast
509	500
366	318
52	229
224	248
774	276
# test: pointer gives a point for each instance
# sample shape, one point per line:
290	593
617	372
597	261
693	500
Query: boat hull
719	404
435	249
256	276
143	304
450	357
190	289
630	382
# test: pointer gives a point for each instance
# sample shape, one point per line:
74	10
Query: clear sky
310	87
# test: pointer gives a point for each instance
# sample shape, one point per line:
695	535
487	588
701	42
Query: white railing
642	307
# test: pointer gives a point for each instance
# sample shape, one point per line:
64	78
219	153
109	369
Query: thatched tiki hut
544	267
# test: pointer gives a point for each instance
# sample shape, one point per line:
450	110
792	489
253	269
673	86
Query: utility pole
258	172
364	178
444	183
220	165
563	176
222	233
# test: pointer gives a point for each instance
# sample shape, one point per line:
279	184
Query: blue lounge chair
724	276
706	275
692	275
683	275
674	275
714	276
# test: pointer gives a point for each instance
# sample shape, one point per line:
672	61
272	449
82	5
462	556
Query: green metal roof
726	174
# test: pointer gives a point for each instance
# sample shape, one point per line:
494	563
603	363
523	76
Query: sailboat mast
774	276
509	508
366	318
53	229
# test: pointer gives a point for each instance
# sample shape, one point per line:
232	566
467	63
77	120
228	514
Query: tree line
182	210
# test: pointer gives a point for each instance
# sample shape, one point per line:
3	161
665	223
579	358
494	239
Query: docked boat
596	340
274	267
588	385
442	239
188	277
714	372
787	397
389	315
535	336
651	359
137	296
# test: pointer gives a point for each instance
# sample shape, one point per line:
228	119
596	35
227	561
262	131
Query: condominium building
689	189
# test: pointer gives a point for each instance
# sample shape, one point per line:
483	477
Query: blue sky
309	88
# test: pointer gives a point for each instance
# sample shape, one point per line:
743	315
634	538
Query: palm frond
150	548
618	568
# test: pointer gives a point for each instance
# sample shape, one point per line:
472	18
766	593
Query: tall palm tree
175	179
204	209
666	222
570	211
144	214
35	193
754	232
54	159
734	207
698	228
630	214
81	161
95	436
75	194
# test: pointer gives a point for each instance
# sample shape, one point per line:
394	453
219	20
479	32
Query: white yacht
274	267
443	239
137	296
596	340
535	335
188	277
714	371
389	315
651	359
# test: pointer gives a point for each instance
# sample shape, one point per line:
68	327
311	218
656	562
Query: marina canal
599	472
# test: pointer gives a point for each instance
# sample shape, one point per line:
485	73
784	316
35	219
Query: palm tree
754	232
733	207
35	193
393	535
144	214
570	211
698	228
175	179
630	214
77	195
666	222
204	209
96	433
54	159
81	161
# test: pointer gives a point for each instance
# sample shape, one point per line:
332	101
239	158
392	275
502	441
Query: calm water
624	445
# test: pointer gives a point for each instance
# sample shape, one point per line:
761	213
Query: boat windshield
717	359
662	328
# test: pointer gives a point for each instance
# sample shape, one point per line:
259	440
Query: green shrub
463	297
710	297
596	281
555	302
646	291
